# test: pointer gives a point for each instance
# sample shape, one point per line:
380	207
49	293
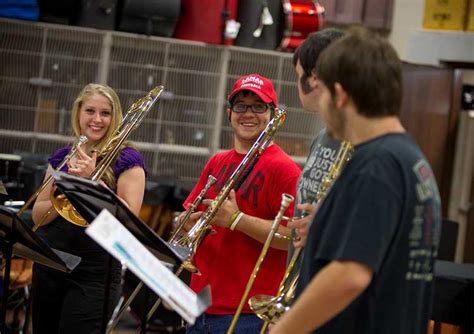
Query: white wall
407	17
416	45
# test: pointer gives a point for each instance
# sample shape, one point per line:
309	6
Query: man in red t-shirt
226	258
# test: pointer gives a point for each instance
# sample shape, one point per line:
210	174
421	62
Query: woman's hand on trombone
82	164
301	224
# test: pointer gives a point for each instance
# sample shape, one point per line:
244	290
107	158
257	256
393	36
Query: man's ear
313	81
228	105
340	96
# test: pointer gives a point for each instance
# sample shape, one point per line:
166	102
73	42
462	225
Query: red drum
301	18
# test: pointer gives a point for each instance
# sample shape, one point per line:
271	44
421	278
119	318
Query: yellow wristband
236	221
233	217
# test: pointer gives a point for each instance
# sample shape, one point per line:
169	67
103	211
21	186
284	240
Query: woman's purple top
128	158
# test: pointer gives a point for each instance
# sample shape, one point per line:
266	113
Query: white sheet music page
108	232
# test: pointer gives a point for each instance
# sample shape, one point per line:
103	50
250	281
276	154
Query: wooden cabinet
370	13
429	112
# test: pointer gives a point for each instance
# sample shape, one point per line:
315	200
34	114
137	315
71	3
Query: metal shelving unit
42	69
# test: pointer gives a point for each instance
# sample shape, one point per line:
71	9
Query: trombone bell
268	308
66	210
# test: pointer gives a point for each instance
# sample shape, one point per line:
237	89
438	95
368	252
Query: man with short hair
324	148
369	256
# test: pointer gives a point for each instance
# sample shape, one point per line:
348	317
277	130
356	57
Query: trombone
286	200
192	208
271	308
195	235
132	119
189	242
81	141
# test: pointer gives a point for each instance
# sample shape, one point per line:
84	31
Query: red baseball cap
257	84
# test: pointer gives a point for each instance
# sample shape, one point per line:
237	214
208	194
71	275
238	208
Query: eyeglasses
258	108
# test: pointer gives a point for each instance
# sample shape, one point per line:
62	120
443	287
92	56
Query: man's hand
193	218
301	225
224	213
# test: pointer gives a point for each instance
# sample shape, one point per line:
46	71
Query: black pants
72	303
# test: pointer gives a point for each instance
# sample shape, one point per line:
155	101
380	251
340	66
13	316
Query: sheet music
108	232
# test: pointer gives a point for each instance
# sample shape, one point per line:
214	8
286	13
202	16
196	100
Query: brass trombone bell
260	305
66	210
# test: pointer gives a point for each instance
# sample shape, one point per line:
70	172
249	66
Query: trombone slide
286	200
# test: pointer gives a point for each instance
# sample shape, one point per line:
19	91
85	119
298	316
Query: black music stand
17	238
89	198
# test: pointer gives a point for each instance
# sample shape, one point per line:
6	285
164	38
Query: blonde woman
72	303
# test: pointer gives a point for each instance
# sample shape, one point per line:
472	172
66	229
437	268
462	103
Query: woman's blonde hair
109	93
